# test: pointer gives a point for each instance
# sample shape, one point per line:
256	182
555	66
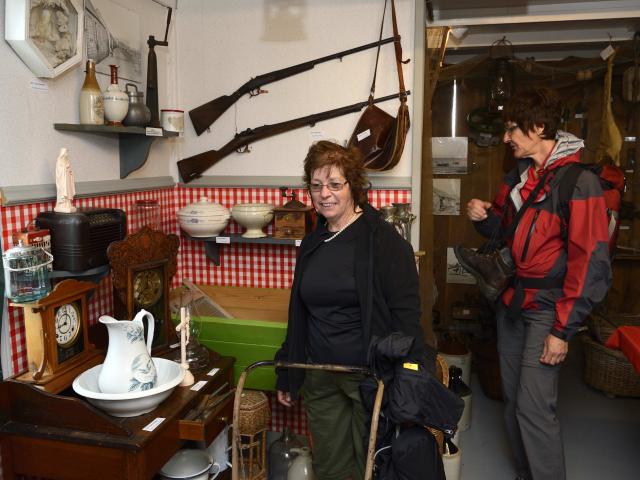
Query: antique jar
138	114
91	106
116	102
26	273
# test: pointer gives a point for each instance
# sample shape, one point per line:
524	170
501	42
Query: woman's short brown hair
535	106
325	154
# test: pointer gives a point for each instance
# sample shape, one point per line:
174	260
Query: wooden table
64	437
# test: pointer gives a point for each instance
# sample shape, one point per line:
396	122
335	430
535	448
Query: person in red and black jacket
561	273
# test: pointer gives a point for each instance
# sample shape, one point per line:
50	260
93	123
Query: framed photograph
47	35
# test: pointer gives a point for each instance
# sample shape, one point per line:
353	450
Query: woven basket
609	370
602	324
441	368
254	415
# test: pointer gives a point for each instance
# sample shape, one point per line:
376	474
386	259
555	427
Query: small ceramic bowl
254	217
187	464
170	374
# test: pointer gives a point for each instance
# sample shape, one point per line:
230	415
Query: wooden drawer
208	428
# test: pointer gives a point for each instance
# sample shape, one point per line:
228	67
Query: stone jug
301	468
138	114
128	366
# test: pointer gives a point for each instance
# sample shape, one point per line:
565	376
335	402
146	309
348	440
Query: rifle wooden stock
193	167
202	117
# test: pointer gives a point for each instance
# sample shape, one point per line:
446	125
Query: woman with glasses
562	271
355	280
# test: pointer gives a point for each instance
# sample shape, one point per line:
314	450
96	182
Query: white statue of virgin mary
65	184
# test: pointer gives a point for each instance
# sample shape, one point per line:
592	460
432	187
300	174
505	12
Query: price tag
298	243
625	227
213	371
153	132
175	345
154	424
197	386
607	52
362	135
223	240
38	85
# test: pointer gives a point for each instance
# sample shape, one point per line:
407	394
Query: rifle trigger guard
244	149
257	91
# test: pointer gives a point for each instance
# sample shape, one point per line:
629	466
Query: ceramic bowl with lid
203	218
188	464
254	217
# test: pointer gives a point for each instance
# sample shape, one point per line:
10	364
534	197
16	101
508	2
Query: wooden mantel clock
143	265
56	330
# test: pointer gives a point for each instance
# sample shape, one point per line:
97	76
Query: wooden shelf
134	143
212	244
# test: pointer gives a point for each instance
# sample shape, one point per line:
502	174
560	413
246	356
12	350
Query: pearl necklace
353	218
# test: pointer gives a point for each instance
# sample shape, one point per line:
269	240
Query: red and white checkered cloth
241	265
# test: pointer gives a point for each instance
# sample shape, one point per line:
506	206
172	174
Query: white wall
215	46
29	145
221	45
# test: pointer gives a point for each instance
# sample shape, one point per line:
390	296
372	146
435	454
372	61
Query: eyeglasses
509	130
333	186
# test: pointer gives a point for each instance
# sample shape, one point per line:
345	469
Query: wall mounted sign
47	35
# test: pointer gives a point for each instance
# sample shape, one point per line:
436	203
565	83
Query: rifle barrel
203	116
192	167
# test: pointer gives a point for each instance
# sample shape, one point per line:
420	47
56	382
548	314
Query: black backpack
613	185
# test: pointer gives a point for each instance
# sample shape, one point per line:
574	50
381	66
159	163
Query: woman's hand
285	399
554	351
477	209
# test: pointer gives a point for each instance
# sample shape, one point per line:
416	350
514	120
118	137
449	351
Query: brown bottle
91	105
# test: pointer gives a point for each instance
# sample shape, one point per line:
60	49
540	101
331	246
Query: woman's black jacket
387	287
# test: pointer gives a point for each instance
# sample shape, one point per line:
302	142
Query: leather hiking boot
492	271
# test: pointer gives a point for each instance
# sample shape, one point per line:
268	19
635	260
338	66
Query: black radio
79	240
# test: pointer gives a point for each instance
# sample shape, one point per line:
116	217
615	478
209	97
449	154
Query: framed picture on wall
47	35
112	36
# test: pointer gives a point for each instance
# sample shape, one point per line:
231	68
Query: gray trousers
530	391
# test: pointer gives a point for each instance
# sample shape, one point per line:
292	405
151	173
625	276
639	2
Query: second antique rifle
203	116
192	167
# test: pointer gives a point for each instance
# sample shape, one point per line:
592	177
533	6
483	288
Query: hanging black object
152	74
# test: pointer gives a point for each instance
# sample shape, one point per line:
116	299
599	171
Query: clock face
67	324
148	287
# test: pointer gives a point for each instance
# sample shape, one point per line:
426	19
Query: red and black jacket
576	264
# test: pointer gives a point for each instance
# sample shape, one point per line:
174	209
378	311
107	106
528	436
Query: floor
601	434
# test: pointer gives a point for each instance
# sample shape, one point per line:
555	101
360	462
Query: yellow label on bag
410	366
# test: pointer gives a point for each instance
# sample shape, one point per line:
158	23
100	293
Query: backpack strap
567	179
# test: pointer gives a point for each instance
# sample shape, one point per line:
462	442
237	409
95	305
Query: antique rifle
203	116
193	167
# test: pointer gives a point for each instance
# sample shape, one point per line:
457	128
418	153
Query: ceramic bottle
91	104
301	468
116	102
281	456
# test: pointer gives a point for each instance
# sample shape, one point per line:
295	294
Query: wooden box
255	333
293	220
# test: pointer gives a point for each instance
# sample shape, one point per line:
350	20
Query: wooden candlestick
183	327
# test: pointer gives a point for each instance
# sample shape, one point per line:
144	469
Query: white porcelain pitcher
128	366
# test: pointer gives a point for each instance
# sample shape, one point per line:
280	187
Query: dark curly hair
535	106
324	154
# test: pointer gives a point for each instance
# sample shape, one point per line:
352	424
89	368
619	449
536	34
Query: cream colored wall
215	46
221	45
29	145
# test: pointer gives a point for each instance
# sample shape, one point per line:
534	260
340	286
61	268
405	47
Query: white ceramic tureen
254	217
203	218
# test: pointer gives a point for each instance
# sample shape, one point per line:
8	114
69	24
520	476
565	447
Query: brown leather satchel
378	135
